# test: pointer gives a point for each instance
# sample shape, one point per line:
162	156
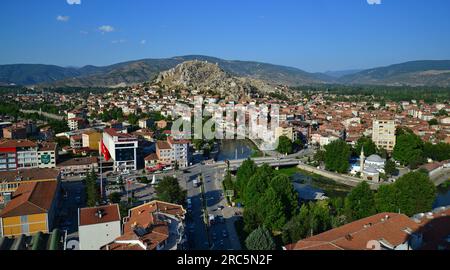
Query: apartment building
285	130
98	226
123	149
91	140
153	226
383	134
18	154
173	151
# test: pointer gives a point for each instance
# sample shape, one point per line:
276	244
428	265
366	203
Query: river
443	199
230	149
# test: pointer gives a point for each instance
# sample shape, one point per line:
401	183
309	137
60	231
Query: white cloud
374	2
74	2
106	29
62	18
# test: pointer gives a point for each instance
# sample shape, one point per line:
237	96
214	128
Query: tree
409	149
369	147
92	192
115	197
282	185
169	190
133	119
319	156
244	173
337	156
313	218
386	199
284	145
416	193
438	152
360	202
433	122
257	184
298	145
271	210
260	239
390	168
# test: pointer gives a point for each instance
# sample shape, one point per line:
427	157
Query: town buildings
98	226
172	152
91	140
385	231
153	226
26	154
78	167
383	134
32	209
123	149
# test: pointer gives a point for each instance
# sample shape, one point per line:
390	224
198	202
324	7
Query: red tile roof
30	175
89	216
388	227
31	199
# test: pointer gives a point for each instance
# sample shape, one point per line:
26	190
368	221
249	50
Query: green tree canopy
283	186
360	202
244	173
285	145
409	149
369	147
390	168
271	210
438	152
260	239
337	156
169	190
411	194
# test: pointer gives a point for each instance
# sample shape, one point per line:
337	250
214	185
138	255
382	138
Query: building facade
31	210
383	134
11	180
25	154
98	226
123	149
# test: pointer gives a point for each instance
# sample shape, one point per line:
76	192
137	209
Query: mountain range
416	73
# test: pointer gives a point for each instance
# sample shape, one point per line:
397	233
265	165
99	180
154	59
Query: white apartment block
122	148
383	134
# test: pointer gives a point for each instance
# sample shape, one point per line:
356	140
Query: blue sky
314	35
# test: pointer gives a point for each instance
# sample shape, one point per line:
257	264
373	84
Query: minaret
362	160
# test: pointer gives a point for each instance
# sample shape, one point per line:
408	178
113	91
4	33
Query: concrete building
285	130
47	155
173	152
91	140
11	180
25	154
76	123
153	226
146	123
31	210
383	134
98	226
15	132
385	231
18	154
78	167
123	149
